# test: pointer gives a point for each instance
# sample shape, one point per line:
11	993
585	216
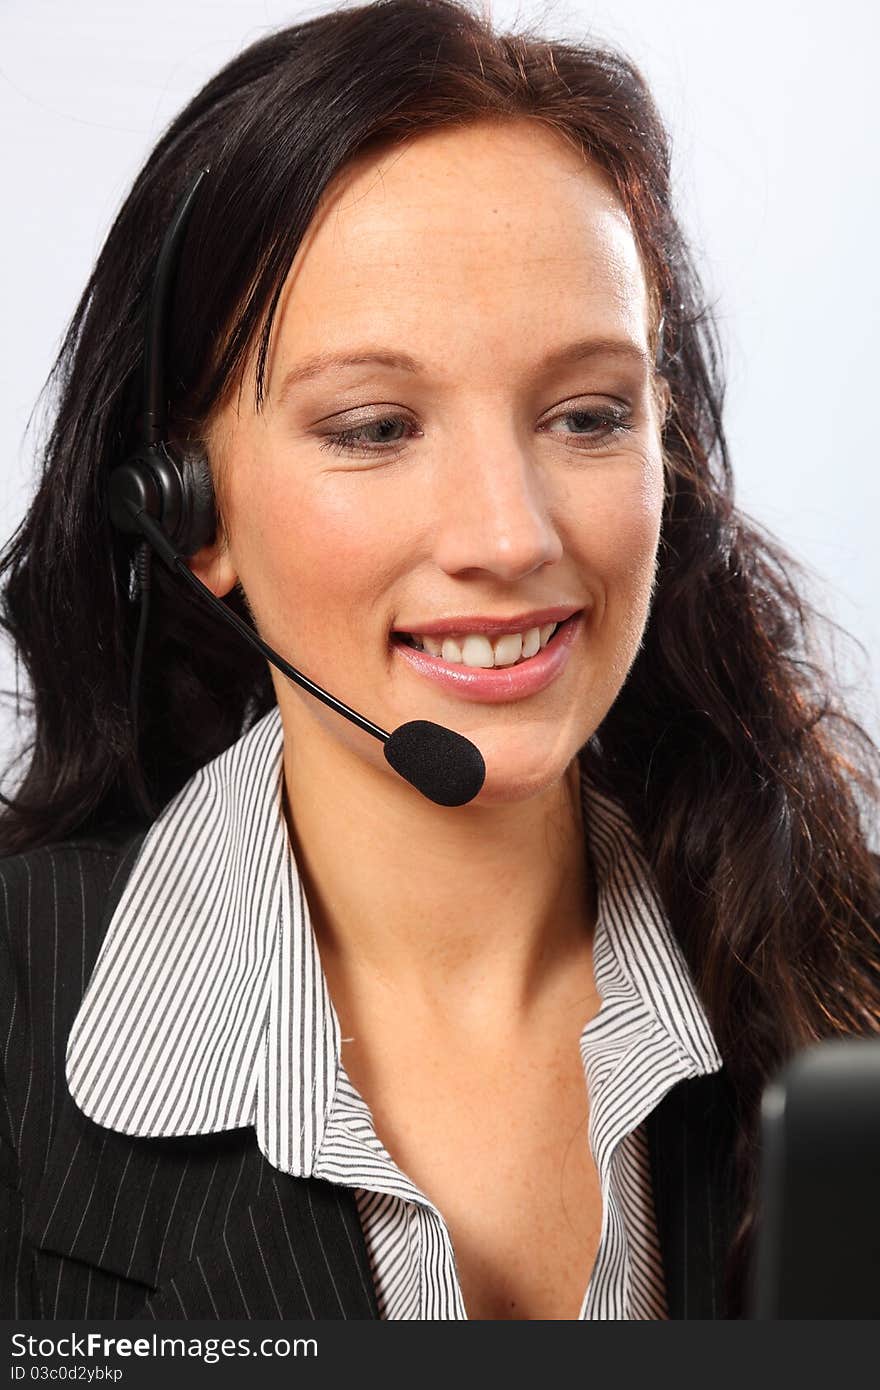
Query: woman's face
487	471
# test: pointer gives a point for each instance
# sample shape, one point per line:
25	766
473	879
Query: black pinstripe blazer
97	1224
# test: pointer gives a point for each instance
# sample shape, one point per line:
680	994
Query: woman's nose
494	516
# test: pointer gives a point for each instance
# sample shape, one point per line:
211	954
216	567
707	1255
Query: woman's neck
468	913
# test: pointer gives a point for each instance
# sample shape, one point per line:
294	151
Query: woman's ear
212	564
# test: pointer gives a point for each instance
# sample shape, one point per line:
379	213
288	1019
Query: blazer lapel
204	1227
691	1135
295	1251
191	1227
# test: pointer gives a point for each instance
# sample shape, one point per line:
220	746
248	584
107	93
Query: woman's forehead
520	193
498	226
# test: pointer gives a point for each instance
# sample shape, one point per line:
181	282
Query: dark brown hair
728	743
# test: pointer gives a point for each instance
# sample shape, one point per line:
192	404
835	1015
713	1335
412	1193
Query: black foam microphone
443	765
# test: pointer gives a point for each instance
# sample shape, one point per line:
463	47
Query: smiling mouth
408	640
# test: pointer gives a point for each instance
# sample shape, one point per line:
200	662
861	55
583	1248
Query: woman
287	1038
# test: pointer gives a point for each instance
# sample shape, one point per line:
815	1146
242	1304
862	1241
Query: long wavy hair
728	744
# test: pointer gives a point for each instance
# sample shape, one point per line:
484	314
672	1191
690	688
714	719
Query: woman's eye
346	441
595	426
603	426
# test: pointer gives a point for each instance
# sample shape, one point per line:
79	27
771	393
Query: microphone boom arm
159	540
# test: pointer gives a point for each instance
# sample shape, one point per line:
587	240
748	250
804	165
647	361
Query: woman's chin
520	767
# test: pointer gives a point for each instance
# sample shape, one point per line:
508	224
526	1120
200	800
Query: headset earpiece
175	490
199	511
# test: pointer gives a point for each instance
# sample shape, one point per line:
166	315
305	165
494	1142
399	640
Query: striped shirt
208	1009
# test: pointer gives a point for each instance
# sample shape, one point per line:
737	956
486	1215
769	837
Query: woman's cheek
623	561
352	519
343	548
622	525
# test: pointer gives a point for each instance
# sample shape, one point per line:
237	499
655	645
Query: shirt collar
636	954
208	1008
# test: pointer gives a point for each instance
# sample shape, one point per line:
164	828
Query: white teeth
531	642
476	649
450	651
508	648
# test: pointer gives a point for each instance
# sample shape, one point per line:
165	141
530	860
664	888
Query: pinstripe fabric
41	981
94	1224
208	1010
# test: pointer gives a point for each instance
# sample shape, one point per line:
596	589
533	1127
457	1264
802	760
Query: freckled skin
476	251
455	940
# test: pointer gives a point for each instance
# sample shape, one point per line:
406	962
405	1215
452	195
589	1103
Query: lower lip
496	684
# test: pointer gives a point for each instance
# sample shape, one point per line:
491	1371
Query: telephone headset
167	497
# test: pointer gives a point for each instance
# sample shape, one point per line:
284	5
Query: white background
773	113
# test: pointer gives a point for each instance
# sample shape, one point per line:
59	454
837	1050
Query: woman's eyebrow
579	351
